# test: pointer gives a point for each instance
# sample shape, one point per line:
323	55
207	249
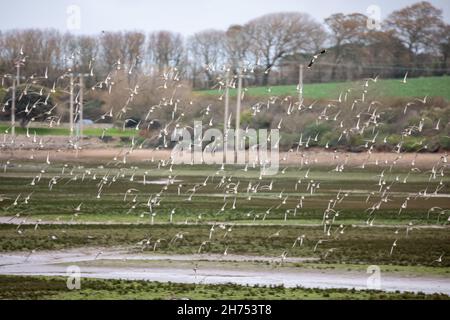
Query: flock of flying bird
367	118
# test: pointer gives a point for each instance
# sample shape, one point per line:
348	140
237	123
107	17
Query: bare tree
444	46
237	45
348	34
208	50
42	49
135	49
88	48
166	49
383	48
416	26
113	48
276	35
135	42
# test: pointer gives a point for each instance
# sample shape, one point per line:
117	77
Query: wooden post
81	105
71	105
225	117
13	109
238	112
300	85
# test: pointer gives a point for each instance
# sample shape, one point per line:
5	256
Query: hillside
415	87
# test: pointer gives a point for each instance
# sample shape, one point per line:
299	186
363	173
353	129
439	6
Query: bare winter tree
444	46
237	45
348	34
383	48
415	35
3	66
417	26
88	47
80	54
166	49
135	42
42	49
319	38
208	50
113	48
276	35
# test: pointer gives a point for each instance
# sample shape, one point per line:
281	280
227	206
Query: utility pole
300	85
79	127
225	119
80	120
71	105
18	71
238	112
13	109
16	83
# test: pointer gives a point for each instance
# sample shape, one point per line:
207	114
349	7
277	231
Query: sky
183	16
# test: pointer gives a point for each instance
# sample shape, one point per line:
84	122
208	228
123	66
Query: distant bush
287	140
356	140
444	142
411	144
316	129
93	110
332	139
2	94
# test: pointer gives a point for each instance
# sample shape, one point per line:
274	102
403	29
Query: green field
358	244
90	132
262	224
415	87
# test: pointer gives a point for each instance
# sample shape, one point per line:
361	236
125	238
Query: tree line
271	47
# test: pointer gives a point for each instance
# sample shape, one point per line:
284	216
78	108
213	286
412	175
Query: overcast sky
186	17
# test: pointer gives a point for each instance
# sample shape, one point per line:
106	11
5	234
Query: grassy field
92	132
264	223
356	244
75	187
415	87
16	287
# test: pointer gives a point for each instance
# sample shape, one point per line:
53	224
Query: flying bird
315	57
